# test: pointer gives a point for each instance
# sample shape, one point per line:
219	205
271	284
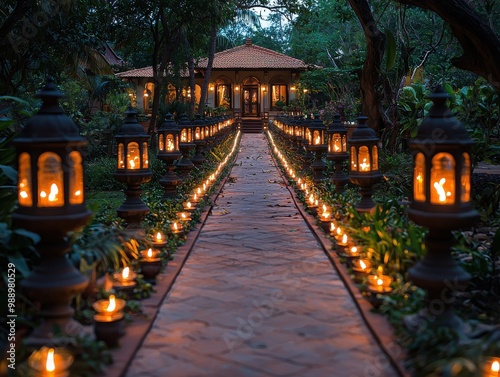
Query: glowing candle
365	166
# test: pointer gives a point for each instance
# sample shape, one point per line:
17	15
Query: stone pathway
257	296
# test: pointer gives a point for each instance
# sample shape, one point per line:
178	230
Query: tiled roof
247	56
139	72
250	56
110	55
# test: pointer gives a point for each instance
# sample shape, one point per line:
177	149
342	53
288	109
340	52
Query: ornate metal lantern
317	145
199	140
337	151
132	169
168	152
441	201
185	165
364	172
51	203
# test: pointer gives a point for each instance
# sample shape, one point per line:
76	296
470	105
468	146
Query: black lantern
317	145
441	201
168	152
51	203
364	172
132	169
337	151
199	141
185	165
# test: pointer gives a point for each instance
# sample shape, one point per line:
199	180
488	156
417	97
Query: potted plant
279	104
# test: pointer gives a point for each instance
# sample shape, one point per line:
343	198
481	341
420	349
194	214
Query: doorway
250	100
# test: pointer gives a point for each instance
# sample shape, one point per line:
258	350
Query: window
223	96
278	96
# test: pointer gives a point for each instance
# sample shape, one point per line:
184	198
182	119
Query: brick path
257	296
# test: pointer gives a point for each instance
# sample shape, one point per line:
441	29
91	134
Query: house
248	80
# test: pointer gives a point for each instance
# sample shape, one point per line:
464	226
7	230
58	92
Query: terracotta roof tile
247	56
250	56
139	72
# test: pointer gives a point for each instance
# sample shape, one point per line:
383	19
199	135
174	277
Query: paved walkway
257	296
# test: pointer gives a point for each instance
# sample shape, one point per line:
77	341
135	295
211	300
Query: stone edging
377	324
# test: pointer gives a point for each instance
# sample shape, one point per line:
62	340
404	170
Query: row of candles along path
109	317
377	283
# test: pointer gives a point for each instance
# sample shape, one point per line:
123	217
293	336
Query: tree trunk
370	81
208	72
480	44
192	85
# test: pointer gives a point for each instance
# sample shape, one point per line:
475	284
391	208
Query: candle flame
332	226
311	199
188	204
183	215
50	366
78	193
440	190
175	226
344	238
199	190
150	253
362	264
365	166
339	231
54	191
380	282
158	236
324	208
23	194
132	164
495	366
126	272
336	148
354	249
112	304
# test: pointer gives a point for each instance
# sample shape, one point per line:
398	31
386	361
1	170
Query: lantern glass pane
465	178
50	180
145	157
317	138
133	158
75	178
121	157
197	133
207	132
354	161
170	143
24	187
309	136
443	179
364	158
419	178
337	143
184	137
161	144
297	131
344	143
374	158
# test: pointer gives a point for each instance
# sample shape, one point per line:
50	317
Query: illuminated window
354	160
145	158
133	159
364	158
223	96
50	181
443	179
419	178
278	95
121	157
465	179
24	186
75	178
